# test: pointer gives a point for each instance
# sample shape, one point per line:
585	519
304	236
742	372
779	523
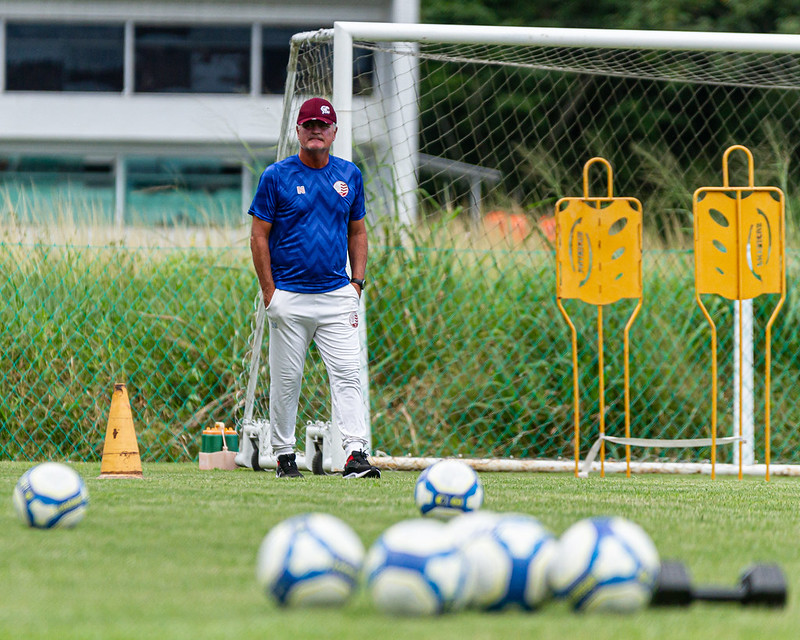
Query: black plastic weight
760	584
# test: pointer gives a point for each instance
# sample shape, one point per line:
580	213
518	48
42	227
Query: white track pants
331	321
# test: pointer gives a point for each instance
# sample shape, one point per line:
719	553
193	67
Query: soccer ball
415	569
50	495
508	555
310	560
448	488
605	564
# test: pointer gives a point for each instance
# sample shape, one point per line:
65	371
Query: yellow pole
713	385
713	396
626	347
577	403
602	392
575	386
767	404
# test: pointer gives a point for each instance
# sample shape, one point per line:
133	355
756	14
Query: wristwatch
359	281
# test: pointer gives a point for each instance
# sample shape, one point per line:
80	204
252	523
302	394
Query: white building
159	112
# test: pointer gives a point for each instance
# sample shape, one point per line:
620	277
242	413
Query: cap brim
325	120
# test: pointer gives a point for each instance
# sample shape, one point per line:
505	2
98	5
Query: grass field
173	555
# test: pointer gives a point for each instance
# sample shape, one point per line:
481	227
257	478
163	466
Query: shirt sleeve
266	197
358	209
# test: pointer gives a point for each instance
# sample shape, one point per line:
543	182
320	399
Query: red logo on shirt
341	188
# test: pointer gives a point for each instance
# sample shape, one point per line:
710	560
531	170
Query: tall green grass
173	324
468	353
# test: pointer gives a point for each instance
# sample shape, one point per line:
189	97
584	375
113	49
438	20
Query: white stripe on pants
295	319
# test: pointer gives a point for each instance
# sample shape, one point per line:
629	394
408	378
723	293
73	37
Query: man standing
308	217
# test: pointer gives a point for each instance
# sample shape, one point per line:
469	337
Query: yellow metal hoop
610	176
750	170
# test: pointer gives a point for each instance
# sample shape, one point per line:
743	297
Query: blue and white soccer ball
310	560
605	564
448	488
415	569
509	555
50	495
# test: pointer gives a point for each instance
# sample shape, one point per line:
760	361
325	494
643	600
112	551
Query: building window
274	58
64	57
363	70
174	192
276	45
59	189
192	59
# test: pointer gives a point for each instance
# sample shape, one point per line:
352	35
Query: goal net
467	136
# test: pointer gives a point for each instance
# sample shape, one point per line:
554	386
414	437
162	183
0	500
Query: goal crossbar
566	37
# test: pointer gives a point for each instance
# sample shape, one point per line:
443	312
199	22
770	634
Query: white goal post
388	120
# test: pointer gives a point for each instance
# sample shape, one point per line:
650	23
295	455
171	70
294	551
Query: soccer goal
467	137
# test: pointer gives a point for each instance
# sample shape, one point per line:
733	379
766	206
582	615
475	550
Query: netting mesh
465	149
764	70
169	322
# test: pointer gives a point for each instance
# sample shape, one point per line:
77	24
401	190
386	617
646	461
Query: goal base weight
323	452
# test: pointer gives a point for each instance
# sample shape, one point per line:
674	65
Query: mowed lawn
173	555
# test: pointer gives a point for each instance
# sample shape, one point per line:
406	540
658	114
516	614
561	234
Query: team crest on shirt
353	319
341	188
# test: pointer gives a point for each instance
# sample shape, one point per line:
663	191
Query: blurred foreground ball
50	495
605	564
415	569
310	560
509	555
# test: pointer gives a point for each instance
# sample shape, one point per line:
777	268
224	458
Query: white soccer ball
415	569
605	564
509	556
50	495
448	488
310	560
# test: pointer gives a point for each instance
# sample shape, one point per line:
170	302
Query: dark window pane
276	44
274	58
192	59
64	57
363	68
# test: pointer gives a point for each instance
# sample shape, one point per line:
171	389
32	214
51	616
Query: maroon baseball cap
317	109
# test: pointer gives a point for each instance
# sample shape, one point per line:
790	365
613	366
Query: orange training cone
120	450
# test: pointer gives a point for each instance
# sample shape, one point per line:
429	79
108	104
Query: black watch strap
360	282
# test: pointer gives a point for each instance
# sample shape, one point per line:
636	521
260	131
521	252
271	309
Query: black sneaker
287	467
357	466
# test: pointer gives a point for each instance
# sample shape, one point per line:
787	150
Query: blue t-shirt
310	210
